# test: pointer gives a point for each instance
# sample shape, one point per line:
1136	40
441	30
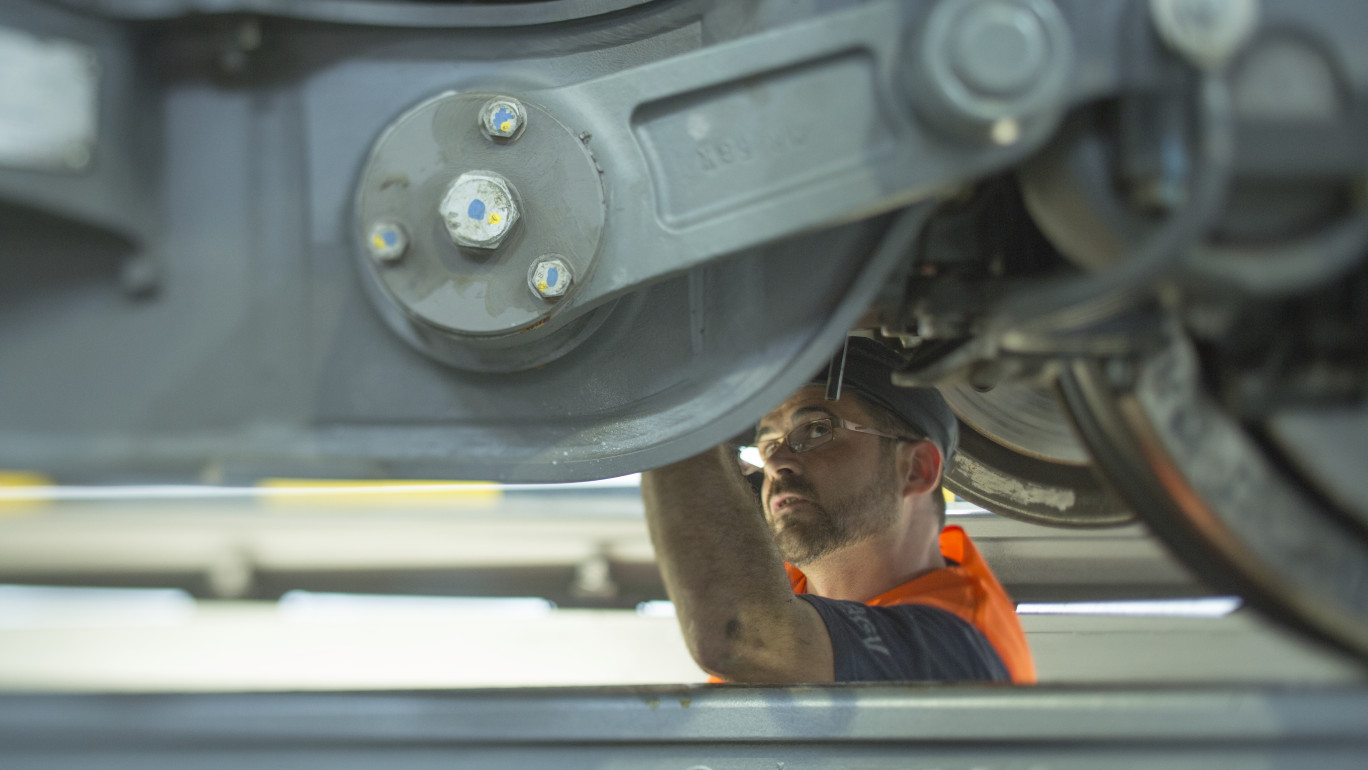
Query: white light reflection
69	607
209	492
656	609
312	607
1208	607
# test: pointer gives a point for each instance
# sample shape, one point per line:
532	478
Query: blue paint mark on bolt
391	238
552	276
503	115
476	210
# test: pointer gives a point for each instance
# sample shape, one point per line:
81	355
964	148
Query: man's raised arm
726	578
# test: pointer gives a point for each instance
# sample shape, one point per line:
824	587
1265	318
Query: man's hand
726	577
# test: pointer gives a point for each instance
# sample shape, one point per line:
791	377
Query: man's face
838	494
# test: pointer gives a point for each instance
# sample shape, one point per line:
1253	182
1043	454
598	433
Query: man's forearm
720	565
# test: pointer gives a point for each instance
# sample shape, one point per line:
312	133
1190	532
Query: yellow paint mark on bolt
377	242
507	125
494	219
542	286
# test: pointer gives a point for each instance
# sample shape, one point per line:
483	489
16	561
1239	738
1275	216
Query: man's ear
922	464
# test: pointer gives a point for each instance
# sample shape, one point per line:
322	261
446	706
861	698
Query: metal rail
697	727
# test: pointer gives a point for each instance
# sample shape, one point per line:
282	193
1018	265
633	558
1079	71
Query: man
843	573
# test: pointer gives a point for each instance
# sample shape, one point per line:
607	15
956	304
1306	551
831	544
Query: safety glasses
804	438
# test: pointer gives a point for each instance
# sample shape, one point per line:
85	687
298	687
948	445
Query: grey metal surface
267	355
698	116
673	727
397	13
728	161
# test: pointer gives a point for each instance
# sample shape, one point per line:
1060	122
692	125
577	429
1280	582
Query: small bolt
550	276
479	209
387	241
503	118
1005	132
77	155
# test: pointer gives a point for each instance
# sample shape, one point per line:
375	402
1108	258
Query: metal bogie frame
724	191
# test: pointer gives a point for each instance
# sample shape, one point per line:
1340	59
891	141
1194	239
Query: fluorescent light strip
71	607
1208	607
313	607
207	492
656	609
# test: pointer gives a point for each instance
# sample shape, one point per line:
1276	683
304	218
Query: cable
1290	268
1079	301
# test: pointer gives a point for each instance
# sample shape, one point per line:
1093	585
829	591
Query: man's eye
767	448
818	429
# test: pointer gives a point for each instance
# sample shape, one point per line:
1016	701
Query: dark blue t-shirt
906	642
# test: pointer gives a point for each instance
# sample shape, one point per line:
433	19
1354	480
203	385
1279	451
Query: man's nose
783	461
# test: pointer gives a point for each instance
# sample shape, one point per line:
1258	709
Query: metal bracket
774	134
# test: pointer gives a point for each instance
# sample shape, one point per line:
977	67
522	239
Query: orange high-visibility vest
968	590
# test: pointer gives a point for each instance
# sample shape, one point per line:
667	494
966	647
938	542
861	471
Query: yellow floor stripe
378	494
22	479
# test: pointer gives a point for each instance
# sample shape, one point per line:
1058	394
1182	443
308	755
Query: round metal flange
1019	482
1024	418
1019	458
980	67
479	212
1241	518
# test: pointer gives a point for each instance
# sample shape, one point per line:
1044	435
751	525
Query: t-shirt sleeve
906	642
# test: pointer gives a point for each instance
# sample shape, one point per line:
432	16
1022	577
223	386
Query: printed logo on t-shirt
869	635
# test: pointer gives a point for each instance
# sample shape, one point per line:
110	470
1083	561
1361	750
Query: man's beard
821	530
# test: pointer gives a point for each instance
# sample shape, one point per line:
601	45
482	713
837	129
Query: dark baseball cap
869	370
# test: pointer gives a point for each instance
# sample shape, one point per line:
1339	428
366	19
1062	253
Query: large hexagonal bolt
479	209
503	118
550	276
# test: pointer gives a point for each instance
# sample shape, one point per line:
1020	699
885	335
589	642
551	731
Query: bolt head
387	241
998	48
479	210
550	276
503	118
1208	33
1004	132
